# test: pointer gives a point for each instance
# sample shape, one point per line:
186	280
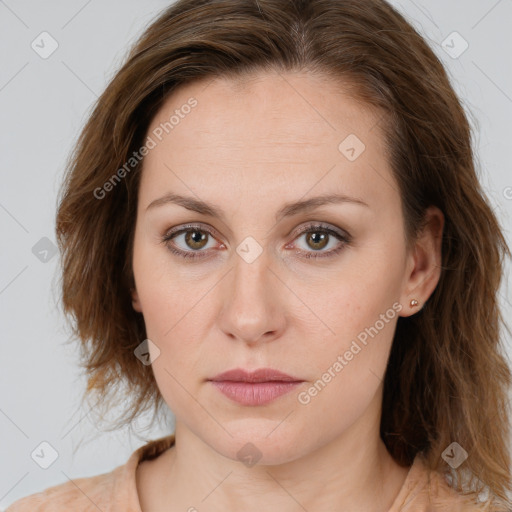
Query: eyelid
343	237
306	226
187	227
310	226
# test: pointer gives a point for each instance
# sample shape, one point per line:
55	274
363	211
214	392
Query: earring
414	303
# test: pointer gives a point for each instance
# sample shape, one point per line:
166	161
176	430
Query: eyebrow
288	210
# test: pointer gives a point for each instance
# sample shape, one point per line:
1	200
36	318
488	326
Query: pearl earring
414	303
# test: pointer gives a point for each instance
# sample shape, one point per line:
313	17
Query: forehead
272	133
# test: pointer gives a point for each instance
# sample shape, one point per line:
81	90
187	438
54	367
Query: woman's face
312	292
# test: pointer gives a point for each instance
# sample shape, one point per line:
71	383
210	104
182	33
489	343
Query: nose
252	298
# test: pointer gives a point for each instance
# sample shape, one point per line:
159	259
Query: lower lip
254	393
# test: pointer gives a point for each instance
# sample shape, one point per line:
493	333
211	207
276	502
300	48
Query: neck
352	471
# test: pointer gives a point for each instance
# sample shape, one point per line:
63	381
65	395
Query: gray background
44	103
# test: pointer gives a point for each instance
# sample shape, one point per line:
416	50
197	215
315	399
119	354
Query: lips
260	375
254	388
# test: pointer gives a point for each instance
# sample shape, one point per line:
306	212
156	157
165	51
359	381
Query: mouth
254	388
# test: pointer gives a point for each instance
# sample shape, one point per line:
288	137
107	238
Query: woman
272	225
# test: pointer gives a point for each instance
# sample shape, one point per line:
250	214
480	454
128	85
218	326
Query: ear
135	301
423	263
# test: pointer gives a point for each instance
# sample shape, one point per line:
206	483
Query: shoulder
426	490
109	492
446	498
80	494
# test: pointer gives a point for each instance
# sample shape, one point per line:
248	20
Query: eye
318	237
195	238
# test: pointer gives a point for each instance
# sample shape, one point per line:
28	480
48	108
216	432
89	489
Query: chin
257	442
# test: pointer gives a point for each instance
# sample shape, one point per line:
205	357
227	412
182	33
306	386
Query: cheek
166	291
171	307
175	318
351	363
353	297
173	324
358	308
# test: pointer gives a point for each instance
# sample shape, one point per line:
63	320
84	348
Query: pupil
318	238
195	239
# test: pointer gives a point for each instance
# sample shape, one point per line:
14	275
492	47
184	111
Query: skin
250	147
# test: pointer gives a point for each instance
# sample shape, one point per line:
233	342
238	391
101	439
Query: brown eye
188	242
318	237
191	241
317	240
196	239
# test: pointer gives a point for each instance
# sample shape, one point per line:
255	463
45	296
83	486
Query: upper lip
259	375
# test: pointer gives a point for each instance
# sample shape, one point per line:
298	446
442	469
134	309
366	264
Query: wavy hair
447	377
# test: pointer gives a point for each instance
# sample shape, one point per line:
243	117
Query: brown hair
447	378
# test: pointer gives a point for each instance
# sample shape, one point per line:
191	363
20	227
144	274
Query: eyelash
313	228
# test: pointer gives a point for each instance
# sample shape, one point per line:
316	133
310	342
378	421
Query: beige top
117	491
